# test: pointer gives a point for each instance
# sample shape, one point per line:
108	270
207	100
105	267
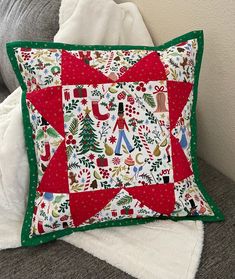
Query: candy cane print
88	177
109	62
142	137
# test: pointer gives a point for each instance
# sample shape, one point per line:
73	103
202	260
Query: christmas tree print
88	137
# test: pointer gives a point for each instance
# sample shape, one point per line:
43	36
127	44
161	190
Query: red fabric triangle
158	197
55	178
148	68
76	71
84	205
178	94
181	165
48	102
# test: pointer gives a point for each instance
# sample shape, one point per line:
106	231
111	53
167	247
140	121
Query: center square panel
117	135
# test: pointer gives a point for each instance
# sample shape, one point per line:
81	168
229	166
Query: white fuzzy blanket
161	250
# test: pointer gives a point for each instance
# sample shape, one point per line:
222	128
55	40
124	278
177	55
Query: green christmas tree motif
88	137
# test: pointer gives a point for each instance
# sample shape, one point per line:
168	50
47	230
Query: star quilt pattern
110	131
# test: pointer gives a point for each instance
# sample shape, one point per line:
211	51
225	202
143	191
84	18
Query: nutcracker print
121	124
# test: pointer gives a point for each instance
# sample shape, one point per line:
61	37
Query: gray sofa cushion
35	20
4	92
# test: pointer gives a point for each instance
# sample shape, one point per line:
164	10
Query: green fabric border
25	239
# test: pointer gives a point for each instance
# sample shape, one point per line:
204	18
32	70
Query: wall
166	20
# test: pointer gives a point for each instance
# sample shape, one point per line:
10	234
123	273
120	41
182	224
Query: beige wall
166	20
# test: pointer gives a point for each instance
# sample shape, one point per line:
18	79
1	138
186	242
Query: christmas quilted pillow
110	133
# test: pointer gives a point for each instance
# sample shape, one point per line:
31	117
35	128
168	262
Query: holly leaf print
148	98
173	63
175	54
58	199
124	200
71	106
151	116
69	151
155	166
67	117
104	104
104	184
86	162
174	74
116	170
52	133
74	165
29	68
73	128
48	80
64	206
137	143
40	135
146	177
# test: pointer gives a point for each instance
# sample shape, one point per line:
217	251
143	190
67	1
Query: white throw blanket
163	249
